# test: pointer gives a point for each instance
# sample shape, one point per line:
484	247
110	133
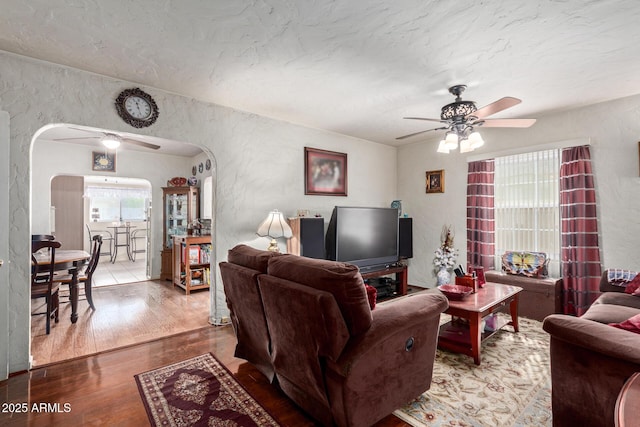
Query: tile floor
122	271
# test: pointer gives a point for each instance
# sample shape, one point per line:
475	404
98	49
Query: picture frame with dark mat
325	172
103	161
435	181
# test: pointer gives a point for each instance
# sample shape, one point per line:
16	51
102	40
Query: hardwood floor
100	389
125	315
79	364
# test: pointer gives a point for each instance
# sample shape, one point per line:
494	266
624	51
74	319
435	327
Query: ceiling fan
111	140
460	117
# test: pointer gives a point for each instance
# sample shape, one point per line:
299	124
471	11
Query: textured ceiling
352	67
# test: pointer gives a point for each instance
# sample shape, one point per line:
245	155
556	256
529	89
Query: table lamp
274	226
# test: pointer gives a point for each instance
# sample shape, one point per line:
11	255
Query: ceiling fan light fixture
451	140
442	147
111	141
466	146
475	139
457	109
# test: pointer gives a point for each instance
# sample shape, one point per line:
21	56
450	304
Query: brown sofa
308	324
590	360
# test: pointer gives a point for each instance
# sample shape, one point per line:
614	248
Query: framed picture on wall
325	172
435	181
104	161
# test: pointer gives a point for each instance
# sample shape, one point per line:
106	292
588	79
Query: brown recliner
239	278
342	363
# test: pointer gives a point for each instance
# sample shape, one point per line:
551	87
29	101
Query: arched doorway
59	150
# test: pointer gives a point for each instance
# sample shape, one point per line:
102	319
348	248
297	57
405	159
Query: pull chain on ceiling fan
461	117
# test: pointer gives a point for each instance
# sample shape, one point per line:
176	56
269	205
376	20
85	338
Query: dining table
121	232
67	260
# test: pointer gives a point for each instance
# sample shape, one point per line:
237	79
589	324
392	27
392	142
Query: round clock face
137	108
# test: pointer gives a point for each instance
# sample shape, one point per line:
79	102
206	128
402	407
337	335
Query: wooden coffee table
465	336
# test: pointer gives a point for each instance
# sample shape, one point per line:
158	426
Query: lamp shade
476	140
274	226
451	140
442	147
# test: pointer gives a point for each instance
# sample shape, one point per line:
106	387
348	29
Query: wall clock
137	108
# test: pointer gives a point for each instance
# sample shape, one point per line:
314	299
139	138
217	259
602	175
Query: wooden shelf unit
401	272
192	262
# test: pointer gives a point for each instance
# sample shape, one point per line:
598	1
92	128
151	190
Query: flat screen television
366	237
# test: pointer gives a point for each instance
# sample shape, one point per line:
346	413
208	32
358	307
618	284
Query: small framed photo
325	172
104	161
435	181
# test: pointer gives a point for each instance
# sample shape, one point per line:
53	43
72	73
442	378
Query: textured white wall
614	130
258	163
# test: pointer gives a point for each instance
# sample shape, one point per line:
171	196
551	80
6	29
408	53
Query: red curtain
480	215
581	268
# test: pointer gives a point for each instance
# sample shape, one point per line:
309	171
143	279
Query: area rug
511	387
199	392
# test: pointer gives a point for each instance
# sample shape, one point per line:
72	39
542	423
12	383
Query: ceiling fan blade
71	139
83	130
418	133
141	143
495	107
507	123
424	118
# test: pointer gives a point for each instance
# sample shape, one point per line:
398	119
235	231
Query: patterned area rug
198	392
511	387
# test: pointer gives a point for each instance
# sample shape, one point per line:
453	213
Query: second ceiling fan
110	138
461	117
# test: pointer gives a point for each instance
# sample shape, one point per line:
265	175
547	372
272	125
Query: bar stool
106	237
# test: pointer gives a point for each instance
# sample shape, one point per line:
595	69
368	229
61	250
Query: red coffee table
466	337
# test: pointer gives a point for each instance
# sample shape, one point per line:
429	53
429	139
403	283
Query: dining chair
136	235
86	276
106	237
43	284
39	237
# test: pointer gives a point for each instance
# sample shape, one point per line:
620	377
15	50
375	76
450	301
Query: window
527	216
207	202
108	204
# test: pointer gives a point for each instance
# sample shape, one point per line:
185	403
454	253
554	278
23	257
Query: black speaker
312	237
405	237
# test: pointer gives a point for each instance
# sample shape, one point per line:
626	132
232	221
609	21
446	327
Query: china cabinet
180	208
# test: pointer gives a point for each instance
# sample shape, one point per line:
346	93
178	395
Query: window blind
527	214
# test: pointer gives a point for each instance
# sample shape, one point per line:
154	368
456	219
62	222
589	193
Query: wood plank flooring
100	389
125	315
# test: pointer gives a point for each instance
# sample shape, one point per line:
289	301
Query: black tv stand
401	272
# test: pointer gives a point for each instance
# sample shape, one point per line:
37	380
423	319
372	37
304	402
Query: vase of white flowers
445	256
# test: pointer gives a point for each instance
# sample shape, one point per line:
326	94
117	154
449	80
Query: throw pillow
529	264
372	294
632	324
633	287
